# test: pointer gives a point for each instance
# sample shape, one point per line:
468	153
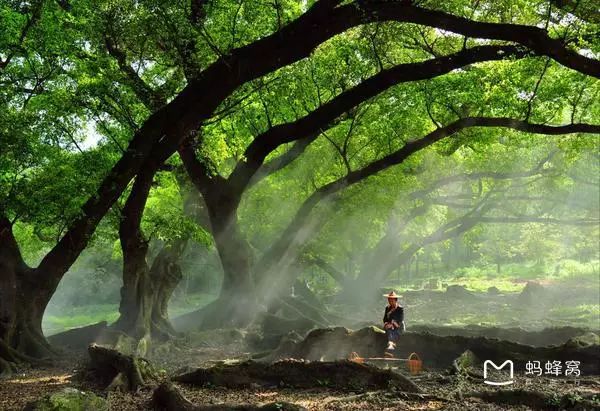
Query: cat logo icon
510	370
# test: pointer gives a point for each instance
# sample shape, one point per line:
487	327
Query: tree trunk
236	304
146	293
146	290
417	266
22	304
165	275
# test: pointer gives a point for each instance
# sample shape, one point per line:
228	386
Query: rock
585	340
532	293
69	399
493	291
458	291
432	284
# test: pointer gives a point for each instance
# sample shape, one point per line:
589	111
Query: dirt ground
444	391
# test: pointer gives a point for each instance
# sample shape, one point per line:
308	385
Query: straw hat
392	294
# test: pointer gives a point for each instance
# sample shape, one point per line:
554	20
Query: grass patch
56	322
61	319
512	277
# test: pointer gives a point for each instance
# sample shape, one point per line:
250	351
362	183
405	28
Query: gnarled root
11	359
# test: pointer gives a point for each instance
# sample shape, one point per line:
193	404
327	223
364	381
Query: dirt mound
545	337
330	344
342	375
436	351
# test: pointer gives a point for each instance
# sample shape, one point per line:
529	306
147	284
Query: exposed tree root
330	344
219	314
274	325
435	351
344	375
118	371
11	359
168	398
407	396
7	368
302	310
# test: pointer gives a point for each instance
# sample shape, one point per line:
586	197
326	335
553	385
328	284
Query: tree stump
118	371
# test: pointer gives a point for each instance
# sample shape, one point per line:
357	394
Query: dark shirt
396	315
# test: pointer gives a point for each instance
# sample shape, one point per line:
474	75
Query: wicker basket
414	363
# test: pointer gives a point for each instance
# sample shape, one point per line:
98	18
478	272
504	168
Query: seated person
393	319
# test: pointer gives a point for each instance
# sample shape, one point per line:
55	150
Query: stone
69	399
493	290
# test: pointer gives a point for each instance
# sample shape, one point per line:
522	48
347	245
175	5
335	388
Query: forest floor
512	316
443	389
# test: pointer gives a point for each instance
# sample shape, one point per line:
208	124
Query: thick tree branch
149	97
336	274
535	38
308	127
281	161
32	19
538	169
586	10
541	220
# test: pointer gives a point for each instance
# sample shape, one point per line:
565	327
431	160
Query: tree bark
22	306
146	290
236	304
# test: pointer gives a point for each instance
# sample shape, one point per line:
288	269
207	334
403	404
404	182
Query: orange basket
414	363
356	358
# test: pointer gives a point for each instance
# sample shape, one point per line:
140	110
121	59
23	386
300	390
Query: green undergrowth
512	277
59	320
